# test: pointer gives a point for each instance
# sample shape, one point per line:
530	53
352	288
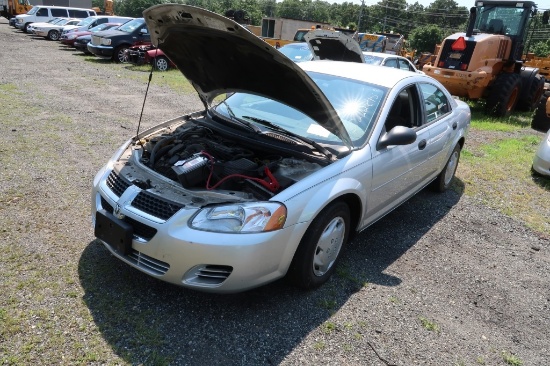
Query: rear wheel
121	54
53	35
444	179
541	121
320	248
161	63
529	99
504	95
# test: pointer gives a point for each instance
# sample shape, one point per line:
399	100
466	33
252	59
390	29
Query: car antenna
146	91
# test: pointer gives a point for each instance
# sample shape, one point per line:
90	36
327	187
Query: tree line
422	26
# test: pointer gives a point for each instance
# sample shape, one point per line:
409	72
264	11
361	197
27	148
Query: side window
102	20
404	110
391	62
404	65
42	12
59	13
73	13
435	102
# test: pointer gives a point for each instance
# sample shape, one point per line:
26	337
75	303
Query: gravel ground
443	280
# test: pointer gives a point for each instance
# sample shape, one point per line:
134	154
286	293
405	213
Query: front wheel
444	179
121	54
320	248
161	63
53	35
504	95
26	28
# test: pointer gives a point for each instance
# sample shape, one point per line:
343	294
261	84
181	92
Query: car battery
192	171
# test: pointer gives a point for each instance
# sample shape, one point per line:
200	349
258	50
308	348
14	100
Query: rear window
59	12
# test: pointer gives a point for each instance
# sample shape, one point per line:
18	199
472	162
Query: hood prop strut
146	91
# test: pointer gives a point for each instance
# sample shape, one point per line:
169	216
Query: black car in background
112	44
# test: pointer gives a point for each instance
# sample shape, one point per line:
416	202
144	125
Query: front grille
96	40
150	264
140	229
156	206
117	184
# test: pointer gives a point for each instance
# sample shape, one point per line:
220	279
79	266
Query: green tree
424	38
541	48
447	15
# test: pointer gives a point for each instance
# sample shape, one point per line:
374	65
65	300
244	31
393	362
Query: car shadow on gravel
147	321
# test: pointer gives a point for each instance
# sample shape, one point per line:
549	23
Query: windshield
33	10
86	21
132	25
500	20
373	60
297	53
356	103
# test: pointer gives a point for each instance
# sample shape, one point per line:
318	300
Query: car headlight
241	218
106	41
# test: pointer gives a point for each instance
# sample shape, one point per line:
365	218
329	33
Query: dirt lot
443	280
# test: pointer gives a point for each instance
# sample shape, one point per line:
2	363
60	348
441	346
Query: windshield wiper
277	128
241	121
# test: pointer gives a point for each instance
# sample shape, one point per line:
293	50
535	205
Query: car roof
363	72
381	54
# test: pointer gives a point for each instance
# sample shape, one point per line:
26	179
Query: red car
68	38
148	54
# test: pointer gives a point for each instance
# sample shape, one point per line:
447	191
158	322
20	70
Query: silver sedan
284	164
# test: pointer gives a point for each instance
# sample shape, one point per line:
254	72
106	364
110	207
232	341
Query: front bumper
214	262
101	51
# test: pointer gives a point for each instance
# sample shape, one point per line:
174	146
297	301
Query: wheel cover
329	246
54	36
121	55
451	167
162	64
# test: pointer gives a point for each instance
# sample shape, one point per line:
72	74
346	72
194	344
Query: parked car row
121	39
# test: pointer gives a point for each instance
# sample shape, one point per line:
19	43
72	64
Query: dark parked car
112	44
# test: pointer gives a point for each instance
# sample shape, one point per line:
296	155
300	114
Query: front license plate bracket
117	233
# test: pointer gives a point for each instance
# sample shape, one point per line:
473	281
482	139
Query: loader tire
504	95
528	101
541	121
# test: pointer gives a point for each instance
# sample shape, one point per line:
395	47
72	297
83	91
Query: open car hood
333	45
218	55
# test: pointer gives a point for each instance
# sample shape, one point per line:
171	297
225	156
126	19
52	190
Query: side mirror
143	31
399	135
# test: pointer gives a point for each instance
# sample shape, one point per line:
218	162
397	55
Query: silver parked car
541	161
284	164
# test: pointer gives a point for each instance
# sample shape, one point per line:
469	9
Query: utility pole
360	15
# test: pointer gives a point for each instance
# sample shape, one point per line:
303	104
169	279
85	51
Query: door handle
455	125
422	145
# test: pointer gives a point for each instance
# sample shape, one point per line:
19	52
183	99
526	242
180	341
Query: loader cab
509	18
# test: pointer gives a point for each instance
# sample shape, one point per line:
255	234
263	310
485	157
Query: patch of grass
499	174
511	359
319	345
429	324
329	327
480	360
329	304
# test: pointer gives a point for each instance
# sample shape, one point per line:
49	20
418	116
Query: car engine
198	158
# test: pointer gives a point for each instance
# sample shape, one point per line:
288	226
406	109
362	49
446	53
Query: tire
541	121
321	247
162	63
504	95
529	98
445	178
53	35
120	54
26	28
